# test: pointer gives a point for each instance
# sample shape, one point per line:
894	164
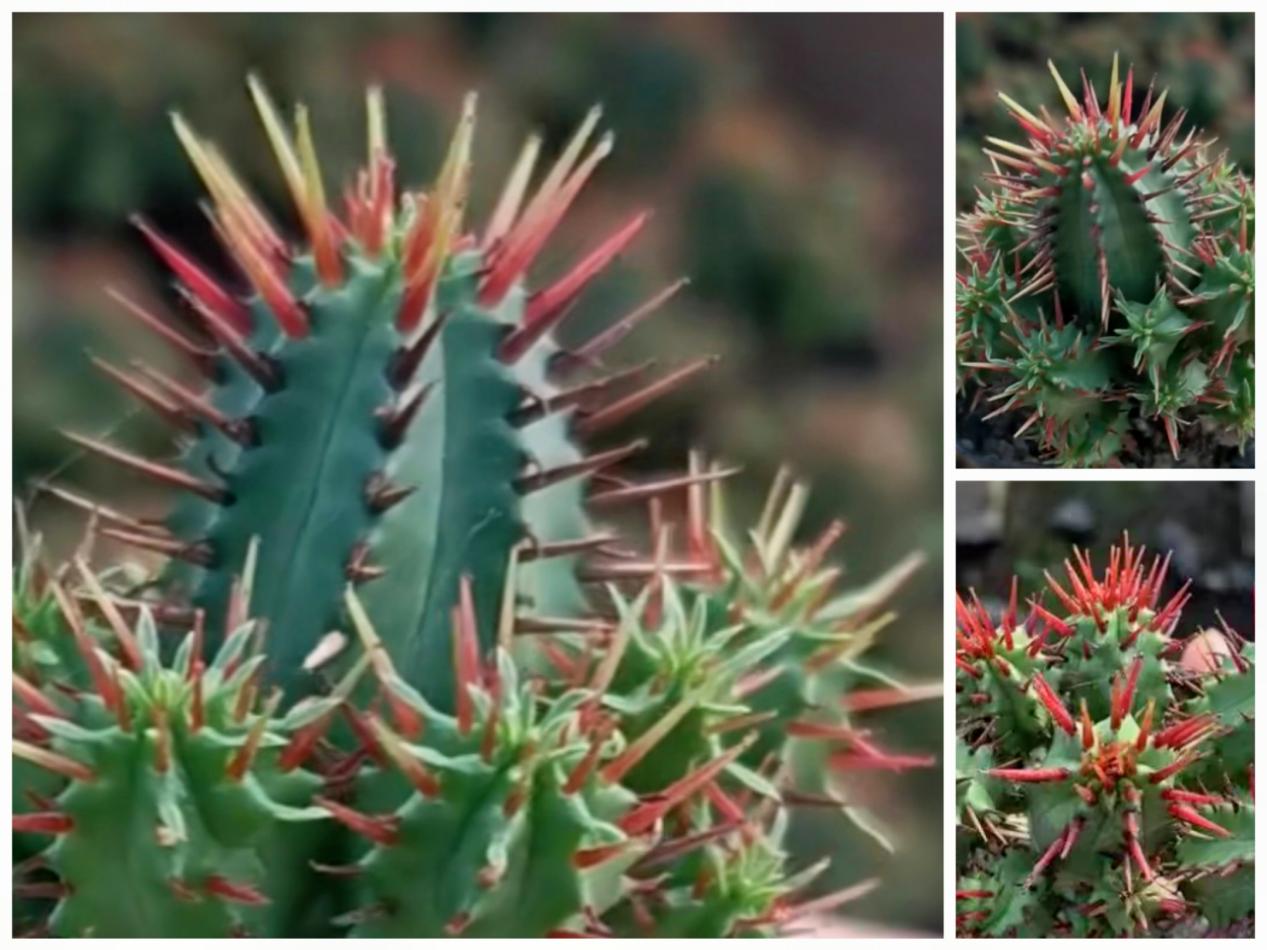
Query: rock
1074	520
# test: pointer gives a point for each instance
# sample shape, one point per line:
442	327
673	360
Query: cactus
391	681
1102	790
1108	280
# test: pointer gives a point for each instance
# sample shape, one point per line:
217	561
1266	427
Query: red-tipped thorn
197	280
43	823
1188	815
642	817
466	658
235	892
1053	704
1029	775
547	307
381	829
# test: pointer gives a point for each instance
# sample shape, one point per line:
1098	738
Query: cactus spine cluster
1109	277
1102	790
392	682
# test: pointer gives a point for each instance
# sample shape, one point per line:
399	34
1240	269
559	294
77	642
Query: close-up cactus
1105	760
1105	294
397	677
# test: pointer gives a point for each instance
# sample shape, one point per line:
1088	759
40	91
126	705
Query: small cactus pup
391	681
1106	284
1104	788
387	406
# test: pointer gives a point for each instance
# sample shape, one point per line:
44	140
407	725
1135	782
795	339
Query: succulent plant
391	681
1108	277
1103	789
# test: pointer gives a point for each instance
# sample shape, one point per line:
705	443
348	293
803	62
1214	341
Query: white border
950	474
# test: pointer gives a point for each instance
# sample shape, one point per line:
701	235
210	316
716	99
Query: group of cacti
392	681
1107	280
1102	787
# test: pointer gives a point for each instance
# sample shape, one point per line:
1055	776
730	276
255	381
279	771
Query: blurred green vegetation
1205	59
794	162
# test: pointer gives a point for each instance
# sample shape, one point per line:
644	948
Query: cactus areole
392	682
1102	789
1108	276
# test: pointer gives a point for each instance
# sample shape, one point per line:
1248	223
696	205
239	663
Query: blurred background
794	164
1206	60
1024	528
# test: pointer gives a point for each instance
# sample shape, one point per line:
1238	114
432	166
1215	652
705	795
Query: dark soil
991	444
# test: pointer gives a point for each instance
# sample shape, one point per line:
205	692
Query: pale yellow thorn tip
1022	111
507	210
1070	102
308	163
376	119
280	141
1115	95
1154	114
